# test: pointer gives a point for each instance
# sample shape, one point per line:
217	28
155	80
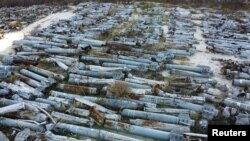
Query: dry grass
51	67
120	90
45	65
182	58
186	63
153	75
112	11
105	35
15	24
156	47
125	29
1	33
196	117
109	34
150	30
100	54
10	79
117	30
146	5
165	19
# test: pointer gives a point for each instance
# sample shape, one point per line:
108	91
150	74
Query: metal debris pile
181	32
227	33
239	71
62	79
15	18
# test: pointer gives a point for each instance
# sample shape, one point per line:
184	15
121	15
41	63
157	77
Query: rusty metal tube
31	82
70	118
46	73
77	89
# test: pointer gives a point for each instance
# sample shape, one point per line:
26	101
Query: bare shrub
120	90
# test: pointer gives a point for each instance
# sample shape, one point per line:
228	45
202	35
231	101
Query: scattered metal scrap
16	18
63	79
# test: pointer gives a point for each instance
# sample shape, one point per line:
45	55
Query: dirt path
6	42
